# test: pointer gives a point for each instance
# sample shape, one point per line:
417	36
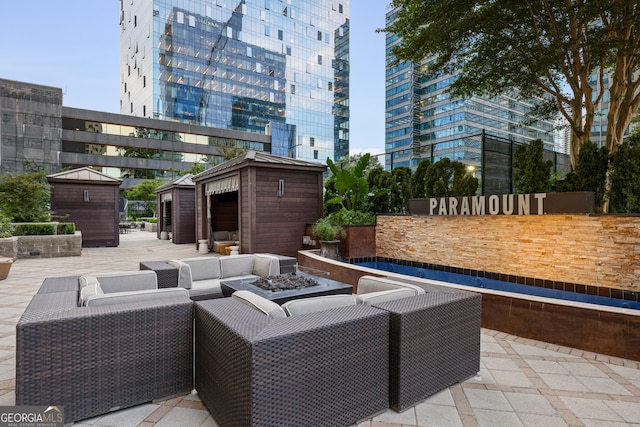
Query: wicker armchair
93	360
327	368
435	342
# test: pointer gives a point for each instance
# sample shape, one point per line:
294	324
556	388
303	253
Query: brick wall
586	249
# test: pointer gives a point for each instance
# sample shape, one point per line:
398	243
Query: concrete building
424	121
36	127
261	66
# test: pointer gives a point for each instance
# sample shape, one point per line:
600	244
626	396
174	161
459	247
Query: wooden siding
184	215
97	219
281	221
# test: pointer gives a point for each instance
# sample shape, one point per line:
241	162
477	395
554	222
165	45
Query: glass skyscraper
424	121
265	66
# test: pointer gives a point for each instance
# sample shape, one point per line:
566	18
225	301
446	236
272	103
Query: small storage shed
266	199
176	208
90	199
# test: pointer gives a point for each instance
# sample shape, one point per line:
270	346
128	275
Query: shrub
327	231
6	228
349	217
67	228
35	229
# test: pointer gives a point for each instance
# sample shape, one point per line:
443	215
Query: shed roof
84	174
259	158
183	181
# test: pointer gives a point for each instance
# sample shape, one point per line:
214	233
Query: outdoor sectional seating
103	342
105	356
328	368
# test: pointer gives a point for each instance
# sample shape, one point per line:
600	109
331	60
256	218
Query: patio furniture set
99	343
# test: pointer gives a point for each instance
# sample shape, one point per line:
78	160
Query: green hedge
67	228
35	229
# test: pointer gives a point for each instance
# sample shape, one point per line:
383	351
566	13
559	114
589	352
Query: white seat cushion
263	305
311	305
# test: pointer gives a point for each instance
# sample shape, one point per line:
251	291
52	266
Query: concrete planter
22	247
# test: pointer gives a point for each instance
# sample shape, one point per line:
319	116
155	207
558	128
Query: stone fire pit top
284	282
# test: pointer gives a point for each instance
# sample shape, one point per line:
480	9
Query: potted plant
329	235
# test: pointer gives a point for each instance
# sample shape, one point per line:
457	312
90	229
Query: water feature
483	282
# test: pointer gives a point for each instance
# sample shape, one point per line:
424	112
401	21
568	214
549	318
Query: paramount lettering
505	204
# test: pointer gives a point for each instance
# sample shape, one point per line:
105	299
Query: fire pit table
286	287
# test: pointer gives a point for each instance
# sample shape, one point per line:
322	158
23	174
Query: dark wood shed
176	208
90	199
266	199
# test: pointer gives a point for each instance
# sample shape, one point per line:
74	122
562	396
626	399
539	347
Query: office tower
424	122
266	66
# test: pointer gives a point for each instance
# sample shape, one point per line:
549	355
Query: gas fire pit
286	287
284	282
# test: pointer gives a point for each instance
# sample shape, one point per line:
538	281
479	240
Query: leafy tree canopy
590	173
530	48
624	195
24	197
143	191
532	174
445	178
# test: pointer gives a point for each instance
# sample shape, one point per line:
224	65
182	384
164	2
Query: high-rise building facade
424	122
266	66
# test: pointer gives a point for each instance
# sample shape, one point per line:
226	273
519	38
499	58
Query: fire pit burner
284	282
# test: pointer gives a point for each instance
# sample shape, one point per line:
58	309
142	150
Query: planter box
41	246
5	266
360	241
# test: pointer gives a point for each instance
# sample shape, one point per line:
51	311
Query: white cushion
384	296
127	281
203	267
262	266
367	284
137	296
87	280
310	305
263	305
236	265
89	291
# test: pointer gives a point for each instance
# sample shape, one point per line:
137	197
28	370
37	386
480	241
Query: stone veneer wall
597	250
41	246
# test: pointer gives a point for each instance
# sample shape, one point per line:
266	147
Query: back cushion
367	284
236	265
126	281
384	296
262	266
132	297
89	291
204	268
220	235
262	305
310	305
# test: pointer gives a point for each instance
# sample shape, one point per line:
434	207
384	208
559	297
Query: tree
400	190
531	49
351	186
531	173
145	191
590	173
445	178
624	195
25	197
417	179
380	181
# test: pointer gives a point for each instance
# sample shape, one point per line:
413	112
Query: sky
75	44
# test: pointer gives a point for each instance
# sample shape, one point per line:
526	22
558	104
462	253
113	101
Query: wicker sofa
326	368
104	356
201	276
